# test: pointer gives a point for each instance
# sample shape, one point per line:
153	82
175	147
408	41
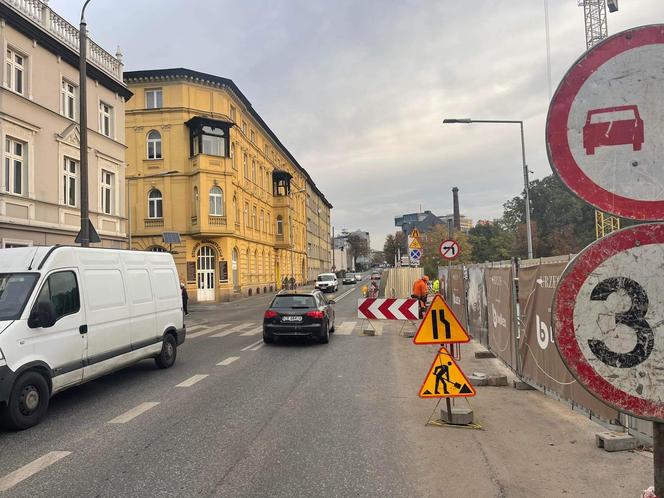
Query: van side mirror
42	316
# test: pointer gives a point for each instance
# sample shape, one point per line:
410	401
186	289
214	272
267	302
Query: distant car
620	125
358	277
327	282
375	275
348	279
299	314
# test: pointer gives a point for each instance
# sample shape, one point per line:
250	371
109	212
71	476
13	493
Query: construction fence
506	306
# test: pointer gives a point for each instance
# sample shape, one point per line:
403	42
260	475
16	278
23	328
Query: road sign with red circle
608	312
605	127
449	249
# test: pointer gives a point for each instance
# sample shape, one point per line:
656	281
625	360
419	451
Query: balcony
217	221
154	222
281	242
40	14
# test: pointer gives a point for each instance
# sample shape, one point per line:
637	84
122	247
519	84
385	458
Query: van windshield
325	278
15	289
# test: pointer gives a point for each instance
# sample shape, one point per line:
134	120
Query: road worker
436	286
421	291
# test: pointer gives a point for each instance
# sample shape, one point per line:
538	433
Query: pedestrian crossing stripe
445	379
440	325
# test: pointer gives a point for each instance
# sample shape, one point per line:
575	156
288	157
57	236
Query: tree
357	247
491	243
377	258
394	243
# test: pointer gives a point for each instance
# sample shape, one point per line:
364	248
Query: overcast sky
357	89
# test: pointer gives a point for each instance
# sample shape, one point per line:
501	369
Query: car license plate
294	318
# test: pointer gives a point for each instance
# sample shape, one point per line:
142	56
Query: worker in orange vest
420	292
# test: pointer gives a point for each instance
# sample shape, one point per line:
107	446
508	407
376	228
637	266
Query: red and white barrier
387	309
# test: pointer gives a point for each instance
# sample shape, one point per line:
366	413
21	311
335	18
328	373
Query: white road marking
251	345
346	328
228	361
11	480
133	413
258	347
192	380
339	298
237	328
255	331
194	328
207	331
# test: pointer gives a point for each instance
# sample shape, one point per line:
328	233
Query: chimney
457	216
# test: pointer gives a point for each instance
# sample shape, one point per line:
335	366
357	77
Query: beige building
319	253
39	106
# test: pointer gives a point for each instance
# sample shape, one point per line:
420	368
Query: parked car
327	282
299	314
375	275
71	314
349	278
358	277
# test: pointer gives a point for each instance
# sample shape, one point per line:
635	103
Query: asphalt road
235	417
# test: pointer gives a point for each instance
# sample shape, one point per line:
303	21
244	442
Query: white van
327	282
71	314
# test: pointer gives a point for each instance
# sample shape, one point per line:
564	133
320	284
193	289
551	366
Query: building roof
218	81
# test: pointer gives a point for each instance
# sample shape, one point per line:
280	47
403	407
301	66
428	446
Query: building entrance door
205	273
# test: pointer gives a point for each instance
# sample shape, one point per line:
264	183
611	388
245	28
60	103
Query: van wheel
28	402
168	352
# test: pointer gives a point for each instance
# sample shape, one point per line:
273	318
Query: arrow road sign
605	132
449	249
440	325
607	310
387	309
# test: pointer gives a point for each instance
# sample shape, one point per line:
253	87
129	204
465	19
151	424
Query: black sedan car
299	314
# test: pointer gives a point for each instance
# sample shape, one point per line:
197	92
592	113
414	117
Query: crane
594	16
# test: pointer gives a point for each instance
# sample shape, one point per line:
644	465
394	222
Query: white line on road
208	331
133	413
192	380
255	331
258	347
194	328
251	345
11	480
228	361
339	298
346	328
237	328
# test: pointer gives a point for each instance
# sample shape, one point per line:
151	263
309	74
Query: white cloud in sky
357	90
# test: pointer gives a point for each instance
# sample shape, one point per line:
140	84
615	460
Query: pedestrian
421	291
436	286
185	298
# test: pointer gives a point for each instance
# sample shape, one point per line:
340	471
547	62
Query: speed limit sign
607	319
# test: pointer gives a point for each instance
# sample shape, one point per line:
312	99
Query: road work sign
449	249
387	309
608	317
605	131
440	325
415	234
445	379
414	243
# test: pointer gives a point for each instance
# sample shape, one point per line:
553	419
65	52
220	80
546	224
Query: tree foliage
491	243
431	240
392	244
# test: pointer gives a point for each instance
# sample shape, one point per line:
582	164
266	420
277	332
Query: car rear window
294	302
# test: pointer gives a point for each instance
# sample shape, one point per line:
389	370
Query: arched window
195	202
254	221
245	165
155	206
246	214
280	225
253	171
216	201
260	177
233	159
262	225
236	210
154	145
157	249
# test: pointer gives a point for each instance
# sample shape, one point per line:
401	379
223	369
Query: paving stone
484	354
497	380
615	441
458	416
520	385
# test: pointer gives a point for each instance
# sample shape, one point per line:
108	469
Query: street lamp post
83	124
525	169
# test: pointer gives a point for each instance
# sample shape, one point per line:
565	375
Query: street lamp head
457	120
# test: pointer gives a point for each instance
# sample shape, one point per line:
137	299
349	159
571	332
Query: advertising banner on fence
457	300
540	360
476	296
444	281
499	309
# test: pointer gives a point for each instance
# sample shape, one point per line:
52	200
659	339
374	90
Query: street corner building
202	163
39	124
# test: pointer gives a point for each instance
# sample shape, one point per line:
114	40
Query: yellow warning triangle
440	325
445	379
415	233
415	244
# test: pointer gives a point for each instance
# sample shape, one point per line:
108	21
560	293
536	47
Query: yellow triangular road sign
445	379
440	325
415	244
415	233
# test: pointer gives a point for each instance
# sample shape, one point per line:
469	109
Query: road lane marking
255	331
228	361
195	328
258	347
346	328
339	298
11	480
237	328
252	345
208	331
133	413
192	380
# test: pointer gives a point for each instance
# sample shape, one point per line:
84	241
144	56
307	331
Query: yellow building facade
203	167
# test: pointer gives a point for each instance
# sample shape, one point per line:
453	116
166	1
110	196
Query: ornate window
154	145
216	201
280	225
155	204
